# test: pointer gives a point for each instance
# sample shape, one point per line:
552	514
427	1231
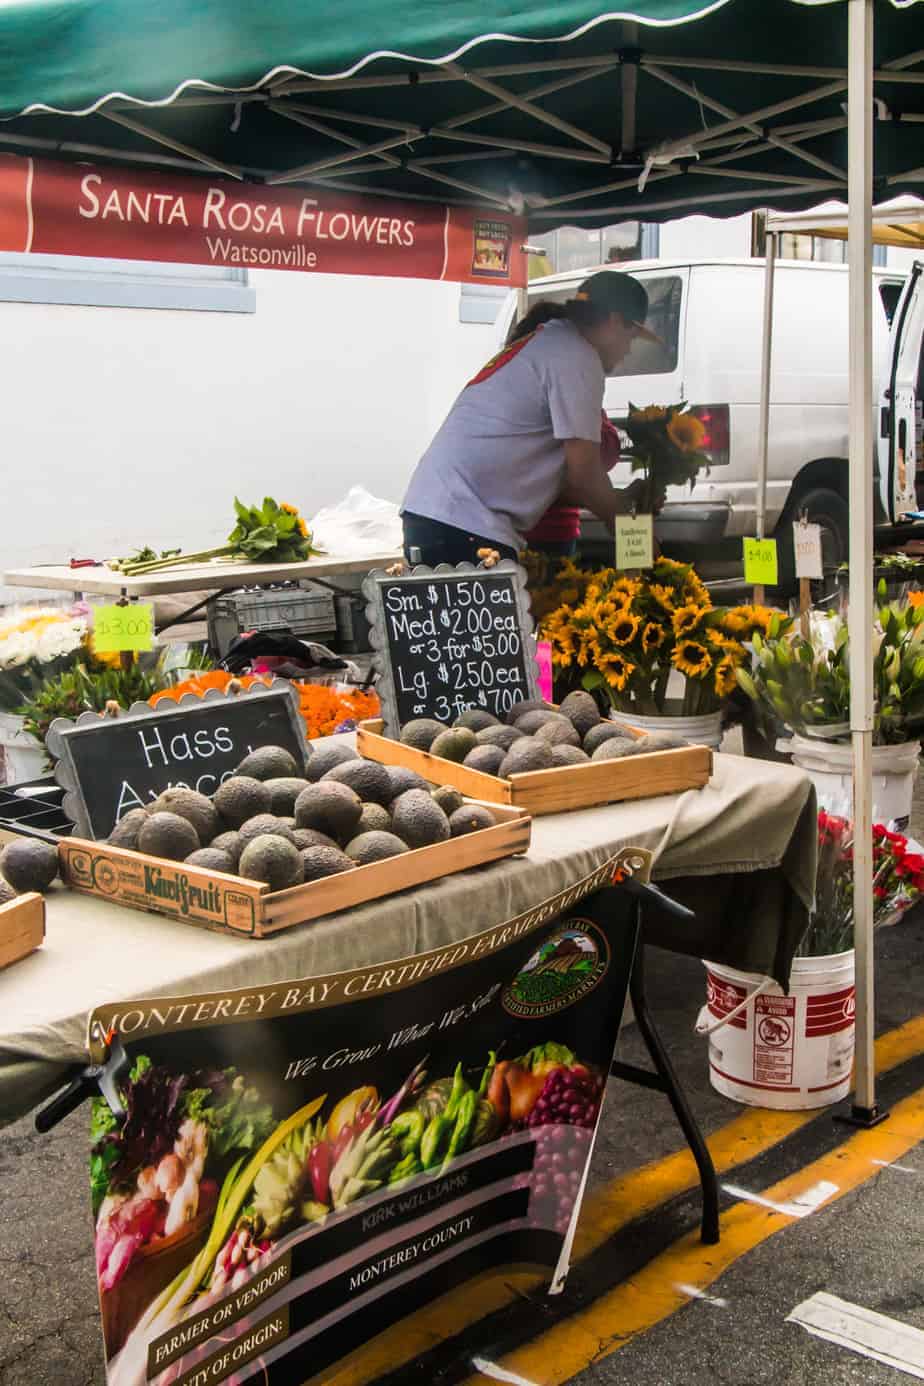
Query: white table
192	577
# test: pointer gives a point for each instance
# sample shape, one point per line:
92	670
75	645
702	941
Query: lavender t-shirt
498	461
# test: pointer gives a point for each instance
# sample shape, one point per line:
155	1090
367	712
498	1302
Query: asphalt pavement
866	1246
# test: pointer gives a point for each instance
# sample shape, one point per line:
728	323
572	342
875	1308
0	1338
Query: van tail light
717	441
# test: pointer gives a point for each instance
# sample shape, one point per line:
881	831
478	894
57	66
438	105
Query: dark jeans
432	542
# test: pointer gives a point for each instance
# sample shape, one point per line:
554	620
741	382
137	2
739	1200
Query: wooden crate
233	905
552	791
22	928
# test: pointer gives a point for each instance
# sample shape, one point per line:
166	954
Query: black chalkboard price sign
446	639
109	765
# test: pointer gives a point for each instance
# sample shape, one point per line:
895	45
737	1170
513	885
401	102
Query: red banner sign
127	214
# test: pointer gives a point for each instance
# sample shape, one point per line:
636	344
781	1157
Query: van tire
825	507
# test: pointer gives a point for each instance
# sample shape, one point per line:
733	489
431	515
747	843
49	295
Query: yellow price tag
760	565
634	541
122	628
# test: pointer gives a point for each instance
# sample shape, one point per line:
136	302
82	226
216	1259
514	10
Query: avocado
272	860
561	732
331	807
526	705
418	820
239	798
269	763
421	733
581	710
195	808
28	864
569	755
370	847
454	744
471	818
283	793
321	861
212	859
230	843
310	837
334	750
403	779
168	835
367	778
449	799
498	736
7	893
525	755
487	759
614	748
125	833
476	719
603	731
263	825
530	722
374	818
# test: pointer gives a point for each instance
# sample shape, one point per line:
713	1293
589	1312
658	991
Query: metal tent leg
665	1080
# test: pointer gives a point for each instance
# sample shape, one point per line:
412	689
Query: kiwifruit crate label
449	638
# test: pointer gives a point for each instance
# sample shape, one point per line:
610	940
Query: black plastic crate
35	807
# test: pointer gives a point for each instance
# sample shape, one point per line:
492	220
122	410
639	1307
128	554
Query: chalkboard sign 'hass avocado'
110	765
450	638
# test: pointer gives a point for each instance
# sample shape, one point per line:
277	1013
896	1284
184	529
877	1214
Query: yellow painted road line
606	1210
653	1294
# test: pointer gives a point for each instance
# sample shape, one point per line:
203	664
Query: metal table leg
665	1080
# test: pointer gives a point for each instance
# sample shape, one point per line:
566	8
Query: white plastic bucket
830	766
705	730
767	1049
21	756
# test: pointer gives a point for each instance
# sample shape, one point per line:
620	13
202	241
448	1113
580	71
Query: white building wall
125	427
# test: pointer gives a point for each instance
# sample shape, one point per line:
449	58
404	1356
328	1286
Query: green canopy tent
567	112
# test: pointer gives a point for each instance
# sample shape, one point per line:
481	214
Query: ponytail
578	311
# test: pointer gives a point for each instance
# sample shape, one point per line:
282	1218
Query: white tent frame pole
766	359
721	109
320	128
890	73
520	103
147	133
545	151
860	432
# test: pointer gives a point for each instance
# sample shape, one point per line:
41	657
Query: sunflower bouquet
629	635
666	444
267	533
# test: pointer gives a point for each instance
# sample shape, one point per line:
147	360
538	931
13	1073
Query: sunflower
737	620
686	618
616	669
761	616
664	596
722	642
289	509
686	432
726	677
626	588
650	414
692	659
623	627
652	637
302	527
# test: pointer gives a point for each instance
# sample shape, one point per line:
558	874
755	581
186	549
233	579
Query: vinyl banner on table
304	1164
133	214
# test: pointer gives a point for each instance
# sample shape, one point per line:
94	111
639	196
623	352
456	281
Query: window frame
91	282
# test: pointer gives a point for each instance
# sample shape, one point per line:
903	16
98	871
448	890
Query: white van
708	315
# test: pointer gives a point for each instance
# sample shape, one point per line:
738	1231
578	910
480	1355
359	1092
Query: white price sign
807	546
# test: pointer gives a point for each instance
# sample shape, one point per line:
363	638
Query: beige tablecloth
753	818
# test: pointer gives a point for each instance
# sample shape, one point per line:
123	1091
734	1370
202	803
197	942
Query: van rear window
665	296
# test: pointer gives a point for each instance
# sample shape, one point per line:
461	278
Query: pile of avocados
535	736
270	822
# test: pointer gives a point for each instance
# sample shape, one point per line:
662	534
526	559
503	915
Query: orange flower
322	708
916	598
686	432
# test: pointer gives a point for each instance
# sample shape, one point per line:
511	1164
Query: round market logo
570	963
104	876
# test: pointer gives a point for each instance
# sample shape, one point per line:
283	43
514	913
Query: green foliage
805	683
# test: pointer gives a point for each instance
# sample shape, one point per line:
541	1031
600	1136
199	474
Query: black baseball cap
617	292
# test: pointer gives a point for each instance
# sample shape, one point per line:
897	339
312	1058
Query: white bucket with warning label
769	1049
